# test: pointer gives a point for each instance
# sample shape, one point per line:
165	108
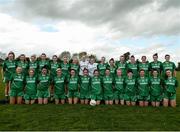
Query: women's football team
122	82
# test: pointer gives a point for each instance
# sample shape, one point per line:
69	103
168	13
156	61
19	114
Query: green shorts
118	95
170	96
60	96
108	97
155	98
144	98
132	98
43	94
84	95
73	94
96	96
16	93
30	96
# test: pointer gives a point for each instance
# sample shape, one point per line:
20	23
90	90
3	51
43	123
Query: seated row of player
121	90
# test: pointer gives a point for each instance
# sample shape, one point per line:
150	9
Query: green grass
83	117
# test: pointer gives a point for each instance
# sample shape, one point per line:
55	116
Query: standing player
130	95
43	62
65	66
33	64
59	81
83	65
43	86
23	63
155	64
168	65
155	88
112	67
54	65
102	66
73	85
170	85
96	88
122	65
119	88
30	87
132	65
92	66
144	65
9	68
75	65
143	89
85	87
107	82
16	86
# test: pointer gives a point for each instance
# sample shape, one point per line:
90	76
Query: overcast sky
104	27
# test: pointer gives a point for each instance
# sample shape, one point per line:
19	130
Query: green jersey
145	67
156	65
9	67
59	84
24	66
17	82
112	70
122	66
65	68
75	67
73	83
130	86
53	67
85	84
168	65
102	68
171	84
34	65
44	82
155	86
119	83
96	85
107	82
143	86
31	84
134	68
43	63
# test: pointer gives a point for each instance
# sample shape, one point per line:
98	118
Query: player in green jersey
170	86
102	66
144	64
122	65
30	87
75	65
119	88
9	68
59	87
107	82
16	85
85	87
167	64
33	64
43	86
130	95
43	62
73	87
132	65
155	88
65	66
23	63
112	67
96	87
155	64
143	89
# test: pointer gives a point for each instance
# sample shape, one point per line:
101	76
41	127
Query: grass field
83	117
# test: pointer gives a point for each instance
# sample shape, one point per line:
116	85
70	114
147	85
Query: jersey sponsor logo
96	82
60	81
18	79
107	81
42	81
31	81
85	81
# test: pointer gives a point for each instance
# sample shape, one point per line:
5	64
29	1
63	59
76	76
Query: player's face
155	58
111	62
11	56
85	72
130	74
168	73
65	59
59	72
155	73
107	72
31	72
33	58
102	59
143	59
132	59
22	57
54	58
167	58
141	73
75	61
43	57
72	73
119	72
122	58
18	70
96	73
83	58
91	61
44	71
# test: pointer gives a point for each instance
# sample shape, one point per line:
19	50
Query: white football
93	103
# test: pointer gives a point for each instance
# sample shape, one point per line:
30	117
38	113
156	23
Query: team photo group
85	80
